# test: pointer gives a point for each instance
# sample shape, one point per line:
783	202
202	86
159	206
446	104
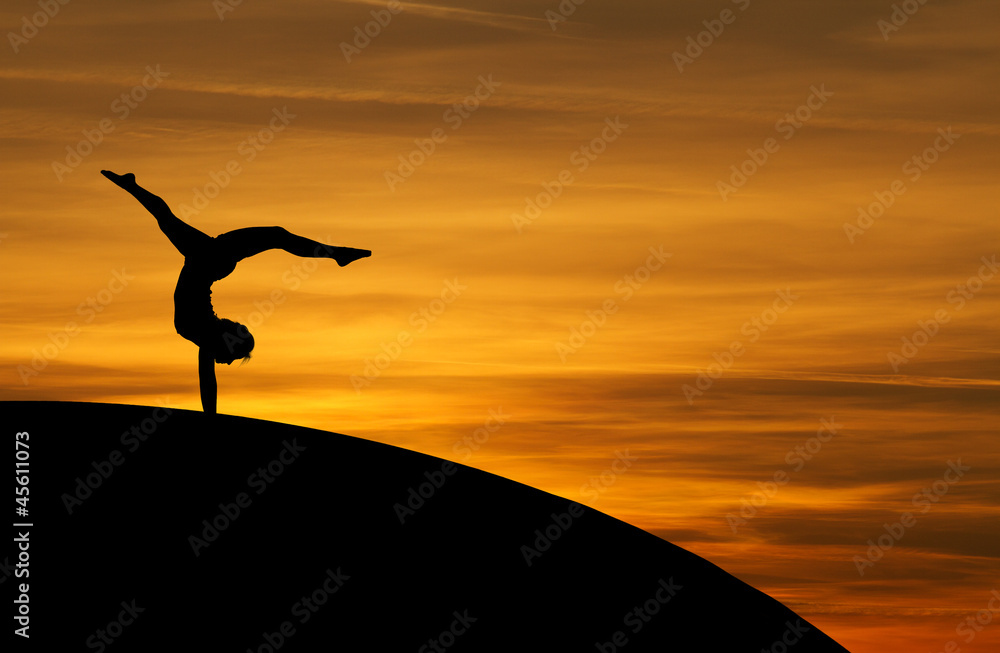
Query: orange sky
628	156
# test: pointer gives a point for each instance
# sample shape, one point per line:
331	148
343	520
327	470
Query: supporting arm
206	375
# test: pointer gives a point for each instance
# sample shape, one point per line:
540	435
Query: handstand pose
206	260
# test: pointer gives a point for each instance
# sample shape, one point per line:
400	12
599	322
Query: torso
194	317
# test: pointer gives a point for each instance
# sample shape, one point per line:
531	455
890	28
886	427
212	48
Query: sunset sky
678	235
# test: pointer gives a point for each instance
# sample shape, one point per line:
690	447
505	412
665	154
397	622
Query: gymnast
206	260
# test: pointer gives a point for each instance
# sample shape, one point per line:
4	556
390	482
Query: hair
234	339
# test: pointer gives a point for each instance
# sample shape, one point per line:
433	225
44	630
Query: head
234	342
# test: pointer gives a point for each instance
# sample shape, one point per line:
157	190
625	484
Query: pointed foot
345	255
125	181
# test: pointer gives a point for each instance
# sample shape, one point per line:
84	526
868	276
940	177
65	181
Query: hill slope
197	532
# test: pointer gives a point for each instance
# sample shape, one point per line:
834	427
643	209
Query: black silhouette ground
116	569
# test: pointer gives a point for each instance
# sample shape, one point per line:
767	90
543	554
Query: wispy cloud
462	14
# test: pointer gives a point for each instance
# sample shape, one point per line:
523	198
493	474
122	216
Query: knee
271	236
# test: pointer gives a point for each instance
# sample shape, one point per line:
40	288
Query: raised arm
206	375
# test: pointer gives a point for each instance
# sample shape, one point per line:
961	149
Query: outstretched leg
243	243
185	238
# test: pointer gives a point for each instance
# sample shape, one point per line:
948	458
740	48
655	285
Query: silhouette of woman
206	260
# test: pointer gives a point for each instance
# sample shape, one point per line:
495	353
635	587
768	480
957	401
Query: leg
244	243
185	238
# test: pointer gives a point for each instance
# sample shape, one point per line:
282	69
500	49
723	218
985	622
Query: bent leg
244	243
184	237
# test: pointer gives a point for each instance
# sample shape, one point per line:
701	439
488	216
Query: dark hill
136	545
